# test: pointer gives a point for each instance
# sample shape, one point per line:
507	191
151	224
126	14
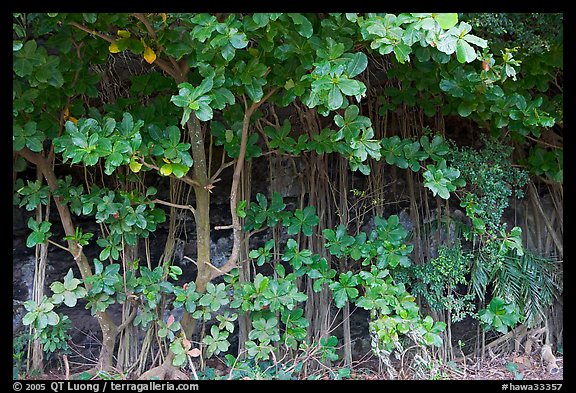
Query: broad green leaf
482	43
357	64
303	25
351	87
446	20
464	52
335	98
70	299
204	87
29	318
239	40
402	52
465	108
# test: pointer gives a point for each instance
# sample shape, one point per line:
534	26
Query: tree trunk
109	329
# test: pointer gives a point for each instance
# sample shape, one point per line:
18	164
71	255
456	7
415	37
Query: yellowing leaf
135	166
164	16
289	84
149	55
67	117
113	48
123	33
167	161
166	169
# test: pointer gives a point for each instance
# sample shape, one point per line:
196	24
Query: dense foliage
201	82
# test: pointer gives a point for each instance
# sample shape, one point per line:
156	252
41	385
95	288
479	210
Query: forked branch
236	227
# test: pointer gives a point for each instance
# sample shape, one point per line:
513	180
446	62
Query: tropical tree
196	83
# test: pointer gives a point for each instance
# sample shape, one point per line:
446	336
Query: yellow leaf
123	33
135	166
113	48
167	161
166	169
164	16
149	55
66	116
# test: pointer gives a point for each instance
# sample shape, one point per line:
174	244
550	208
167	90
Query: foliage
494	178
19	347
500	315
530	281
205	79
68	292
56	338
533	32
40	315
439	280
513	368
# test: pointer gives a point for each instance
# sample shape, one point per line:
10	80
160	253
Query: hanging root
549	359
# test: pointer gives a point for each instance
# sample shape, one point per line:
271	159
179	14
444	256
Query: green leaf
57	287
465	108
29	318
357	64
179	360
89	17
228	52
239	40
402	52
464	52
52	318
204	87
35	238
166	169
70	299
476	40
303	25
351	87
340	297
446	20
70	283
335	98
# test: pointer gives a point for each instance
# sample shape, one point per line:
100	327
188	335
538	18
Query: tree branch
543	143
185	179
60	246
237	229
189	207
222	167
128	320
106	323
163	64
93	32
145	22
